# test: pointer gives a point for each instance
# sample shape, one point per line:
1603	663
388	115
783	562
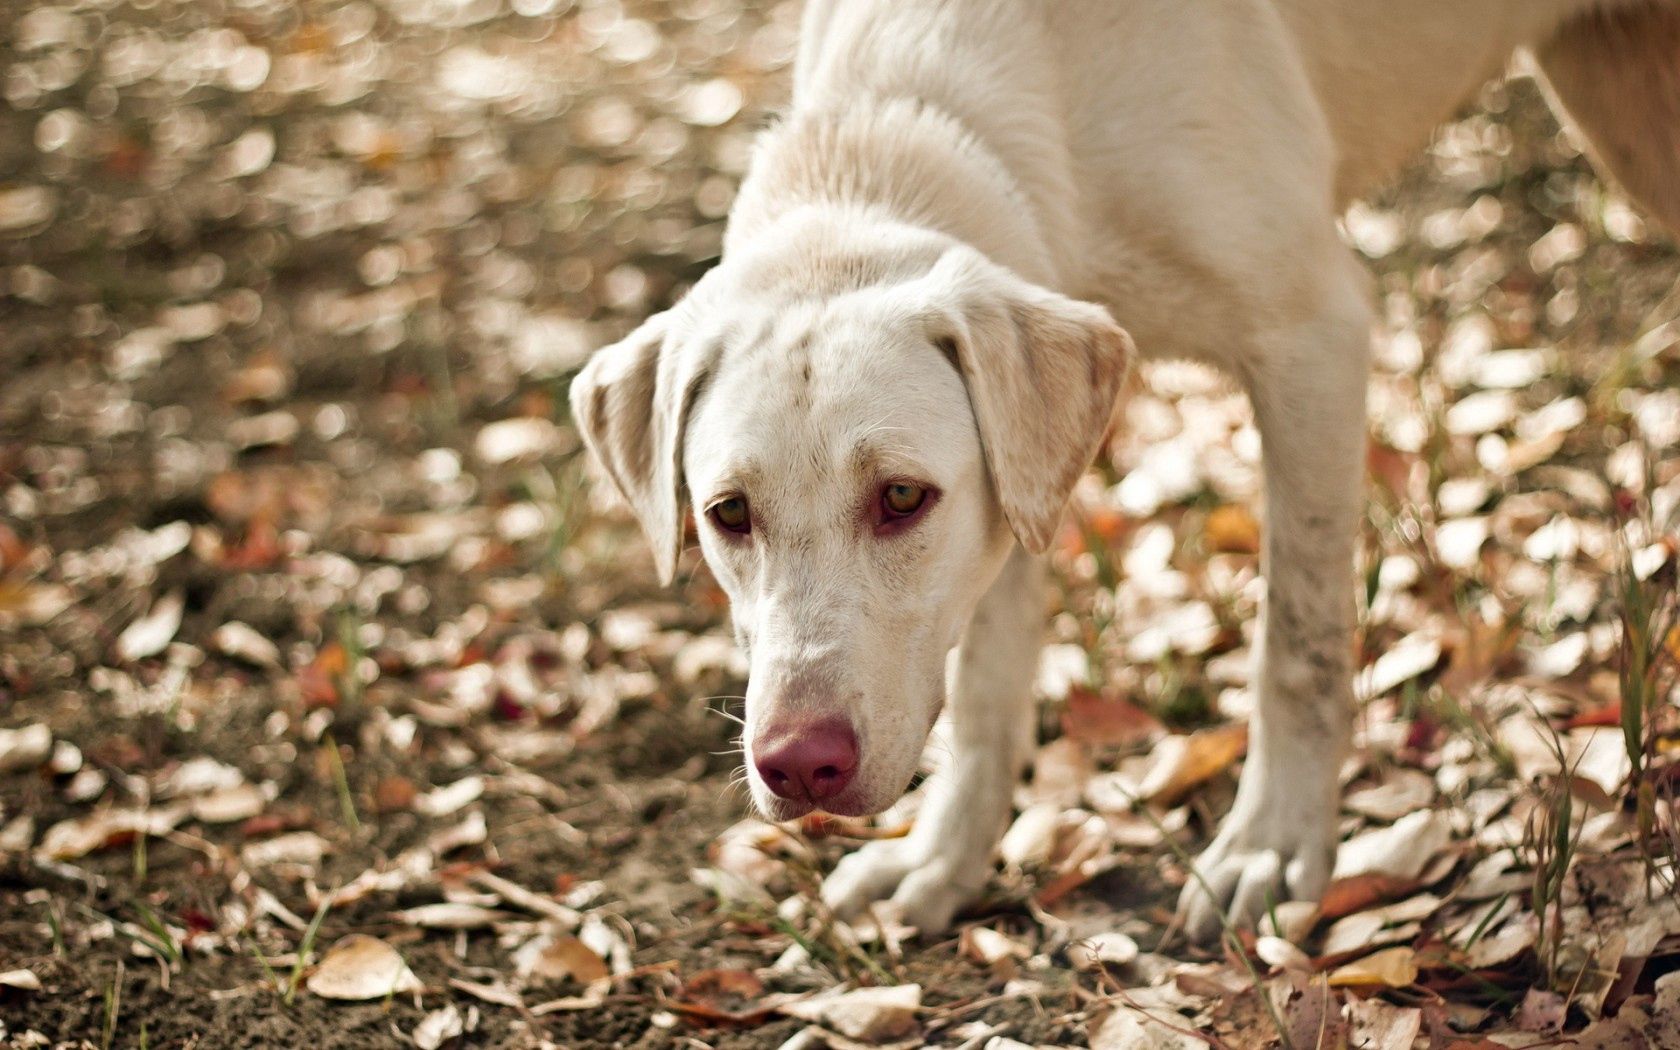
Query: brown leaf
723	997
1391	967
1182	762
1380	1026
1542	1011
1313	1018
1358	892
868	1014
1232	529
394	793
1106	721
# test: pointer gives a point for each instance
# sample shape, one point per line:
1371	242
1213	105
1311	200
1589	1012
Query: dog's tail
1615	74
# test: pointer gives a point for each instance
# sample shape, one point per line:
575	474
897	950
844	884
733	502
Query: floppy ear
1043	372
631	405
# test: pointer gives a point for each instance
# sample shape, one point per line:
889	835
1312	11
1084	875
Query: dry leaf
1314	1019
442	801
1103	721
559	957
451	915
1399	851
152	633
24	748
439	1027
1378	1025
1542	1011
243	642
1180	763
79	836
1091	953
986	945
867	1014
1275	951
297	847
1402	791
359	967
229	804
723	996
1391	967
1232	529
1130	1029
1355	893
1414	655
1031	840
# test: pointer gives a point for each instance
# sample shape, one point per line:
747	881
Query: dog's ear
631	405
1043	372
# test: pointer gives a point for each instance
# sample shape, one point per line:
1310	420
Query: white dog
879	401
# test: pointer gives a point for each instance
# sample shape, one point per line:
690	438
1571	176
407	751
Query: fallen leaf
723	996
1402	791
358	968
242	642
559	957
228	805
1130	1029
1391	967
1378	1025
151	634
1313	1018
518	438
1180	763
988	946
1355	893
442	801
1400	851
1232	529
297	847
1092	953
1542	1011
451	915
79	836
1275	951
439	1027
867	1014
1411	656
1105	721
1031	839
24	748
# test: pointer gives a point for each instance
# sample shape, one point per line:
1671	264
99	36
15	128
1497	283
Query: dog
939	268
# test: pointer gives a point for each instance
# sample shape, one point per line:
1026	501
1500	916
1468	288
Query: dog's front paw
1252	866
923	888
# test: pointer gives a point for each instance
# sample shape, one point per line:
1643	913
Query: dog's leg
1279	841
944	861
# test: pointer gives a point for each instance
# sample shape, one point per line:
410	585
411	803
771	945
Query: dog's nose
809	762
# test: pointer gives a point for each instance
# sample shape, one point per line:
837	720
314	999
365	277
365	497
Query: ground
313	623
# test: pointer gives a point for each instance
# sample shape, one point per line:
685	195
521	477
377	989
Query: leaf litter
325	667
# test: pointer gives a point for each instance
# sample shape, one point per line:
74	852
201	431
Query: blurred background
309	612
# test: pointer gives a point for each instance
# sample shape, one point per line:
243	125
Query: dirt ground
307	607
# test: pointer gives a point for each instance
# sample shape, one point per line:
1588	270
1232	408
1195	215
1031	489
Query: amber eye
731	515
900	500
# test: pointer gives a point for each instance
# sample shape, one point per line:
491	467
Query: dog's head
865	422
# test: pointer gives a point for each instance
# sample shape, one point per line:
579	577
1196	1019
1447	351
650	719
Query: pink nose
809	762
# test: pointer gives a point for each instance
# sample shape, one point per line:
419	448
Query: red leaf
1102	721
1358	892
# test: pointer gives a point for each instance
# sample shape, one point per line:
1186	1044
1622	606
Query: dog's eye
731	515
900	500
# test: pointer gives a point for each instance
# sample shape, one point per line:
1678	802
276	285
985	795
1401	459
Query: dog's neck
922	145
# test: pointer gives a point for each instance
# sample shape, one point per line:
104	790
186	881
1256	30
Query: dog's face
863	428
